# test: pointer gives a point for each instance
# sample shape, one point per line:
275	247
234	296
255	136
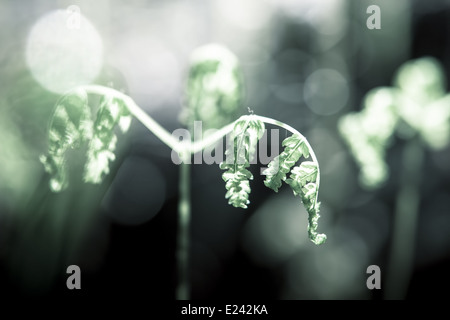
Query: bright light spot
326	92
148	65
60	56
137	194
217	52
248	14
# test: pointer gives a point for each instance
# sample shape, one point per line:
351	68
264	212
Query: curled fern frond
301	176
415	105
294	148
70	125
215	87
303	181
247	131
368	134
112	112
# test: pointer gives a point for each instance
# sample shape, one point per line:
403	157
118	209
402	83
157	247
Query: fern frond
247	131
303	181
215	89
70	125
294	148
101	149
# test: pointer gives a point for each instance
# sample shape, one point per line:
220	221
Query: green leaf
368	133
303	181
423	80
247	131
301	175
294	148
415	105
70	125
101	149
313	224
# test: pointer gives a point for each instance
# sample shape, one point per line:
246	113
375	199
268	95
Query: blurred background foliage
305	62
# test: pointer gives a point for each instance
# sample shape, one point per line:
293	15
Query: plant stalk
184	217
401	259
168	139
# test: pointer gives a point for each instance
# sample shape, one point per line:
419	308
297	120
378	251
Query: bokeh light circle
326	92
62	54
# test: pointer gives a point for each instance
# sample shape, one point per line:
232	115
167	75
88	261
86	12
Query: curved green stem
138	113
182	147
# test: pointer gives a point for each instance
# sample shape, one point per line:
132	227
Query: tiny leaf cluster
417	105
72	125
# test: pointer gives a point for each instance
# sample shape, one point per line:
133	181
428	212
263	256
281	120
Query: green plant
417	109
214	95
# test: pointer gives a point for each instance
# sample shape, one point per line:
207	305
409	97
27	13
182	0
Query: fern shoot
73	125
415	108
303	179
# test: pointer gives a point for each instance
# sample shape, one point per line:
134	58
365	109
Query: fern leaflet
101	149
70	125
303	179
294	148
247	131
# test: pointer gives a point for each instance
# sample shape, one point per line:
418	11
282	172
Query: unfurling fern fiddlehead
303	179
71	125
214	96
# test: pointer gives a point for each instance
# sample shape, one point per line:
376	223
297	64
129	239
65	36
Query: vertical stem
184	217
401	259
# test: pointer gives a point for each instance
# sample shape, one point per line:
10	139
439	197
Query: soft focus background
305	62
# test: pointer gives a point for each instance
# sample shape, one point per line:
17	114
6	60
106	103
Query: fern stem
173	143
197	146
137	112
401	259
184	217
